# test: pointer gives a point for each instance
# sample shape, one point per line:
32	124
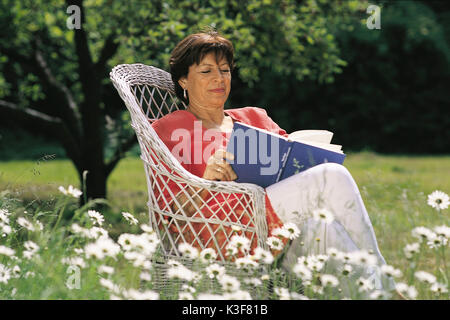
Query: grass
394	189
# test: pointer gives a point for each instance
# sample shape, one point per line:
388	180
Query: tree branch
27	117
108	51
120	153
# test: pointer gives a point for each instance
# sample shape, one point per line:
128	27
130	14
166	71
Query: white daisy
346	269
275	243
215	271
334	253
229	283
133	294
362	257
262	255
293	230
105	269
255	282
5	274
437	242
101	248
390	271
265	277
245	263
328	280
5	229
30	249
181	272
423	233
411	249
439	288
424	276
303	272
70	191
365	285
126	241
97	233
111	286
281	232
185	296
188	251
130	218
7	251
380	295
96	217
438	200
207	255
409	291
25	223
145	276
146	228
241	243
237	295
74	261
442	231
4	216
323	215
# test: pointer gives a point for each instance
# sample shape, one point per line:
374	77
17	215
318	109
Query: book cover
264	158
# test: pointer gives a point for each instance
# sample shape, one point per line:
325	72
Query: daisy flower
96	217
442	231
241	243
70	191
411	249
6	251
439	288
365	285
438	200
409	291
237	295
275	243
323	215
74	261
263	255
302	272
145	276
215	270
188	251
210	296
346	269
181	272
390	271
292	229
207	255
281	232
130	218
134	294
424	276
245	263
25	223
105	269
423	233
328	280
185	296
30	249
5	274
229	283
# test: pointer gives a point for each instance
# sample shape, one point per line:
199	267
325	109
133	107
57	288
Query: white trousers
332	187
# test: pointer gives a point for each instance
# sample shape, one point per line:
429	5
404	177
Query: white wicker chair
148	93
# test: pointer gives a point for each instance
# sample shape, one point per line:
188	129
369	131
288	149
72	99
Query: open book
264	158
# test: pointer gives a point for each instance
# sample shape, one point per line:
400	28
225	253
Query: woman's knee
336	174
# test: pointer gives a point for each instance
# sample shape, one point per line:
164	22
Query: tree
55	79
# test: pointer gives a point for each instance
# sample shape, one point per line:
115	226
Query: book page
321	136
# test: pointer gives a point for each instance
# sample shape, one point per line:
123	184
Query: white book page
321	136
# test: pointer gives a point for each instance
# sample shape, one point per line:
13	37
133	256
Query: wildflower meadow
64	251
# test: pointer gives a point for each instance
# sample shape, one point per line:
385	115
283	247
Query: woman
201	66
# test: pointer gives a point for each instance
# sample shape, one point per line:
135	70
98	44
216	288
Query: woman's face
208	84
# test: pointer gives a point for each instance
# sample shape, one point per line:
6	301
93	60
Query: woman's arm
217	169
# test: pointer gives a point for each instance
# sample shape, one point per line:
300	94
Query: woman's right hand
217	168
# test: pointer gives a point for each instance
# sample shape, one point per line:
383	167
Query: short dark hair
193	49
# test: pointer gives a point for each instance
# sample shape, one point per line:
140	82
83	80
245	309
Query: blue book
264	158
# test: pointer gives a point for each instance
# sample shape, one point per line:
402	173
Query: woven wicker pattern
148	93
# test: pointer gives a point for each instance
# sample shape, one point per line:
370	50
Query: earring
184	93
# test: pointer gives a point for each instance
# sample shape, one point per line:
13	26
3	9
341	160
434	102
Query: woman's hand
217	168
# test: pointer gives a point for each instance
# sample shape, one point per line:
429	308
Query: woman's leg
332	187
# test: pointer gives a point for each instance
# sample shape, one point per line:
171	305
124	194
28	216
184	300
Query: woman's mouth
218	90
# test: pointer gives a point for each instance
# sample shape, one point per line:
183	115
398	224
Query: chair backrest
148	93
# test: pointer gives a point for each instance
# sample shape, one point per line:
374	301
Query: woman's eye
226	70
206	71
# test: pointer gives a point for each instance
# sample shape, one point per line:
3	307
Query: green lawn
394	189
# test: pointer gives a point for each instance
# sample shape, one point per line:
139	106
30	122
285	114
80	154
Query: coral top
192	144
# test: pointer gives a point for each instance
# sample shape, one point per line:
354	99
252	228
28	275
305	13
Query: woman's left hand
217	168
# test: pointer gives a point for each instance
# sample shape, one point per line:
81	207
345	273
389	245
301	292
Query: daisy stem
59	216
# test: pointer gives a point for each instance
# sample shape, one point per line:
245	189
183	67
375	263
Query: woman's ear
182	82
